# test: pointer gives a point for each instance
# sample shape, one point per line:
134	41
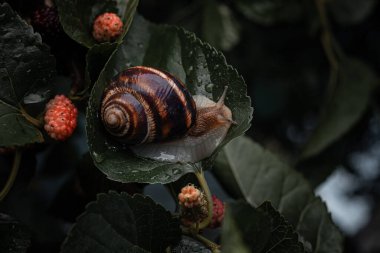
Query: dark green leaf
348	103
121	223
78	16
26	67
198	65
219	27
263	177
14	237
96	58
272	11
351	12
260	230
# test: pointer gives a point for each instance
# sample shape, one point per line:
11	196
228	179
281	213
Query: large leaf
121	223
96	58
78	16
198	65
26	67
219	27
263	177
261	230
14	237
349	101
272	11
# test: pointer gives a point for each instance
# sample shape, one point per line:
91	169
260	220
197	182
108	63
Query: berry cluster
46	21
217	212
193	204
60	118
107	27
190	196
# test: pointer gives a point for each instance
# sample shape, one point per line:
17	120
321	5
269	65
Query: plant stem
210	244
12	176
37	123
202	182
327	43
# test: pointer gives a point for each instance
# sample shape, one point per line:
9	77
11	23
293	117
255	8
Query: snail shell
153	112
143	105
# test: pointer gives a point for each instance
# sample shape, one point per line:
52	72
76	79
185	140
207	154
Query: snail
153	113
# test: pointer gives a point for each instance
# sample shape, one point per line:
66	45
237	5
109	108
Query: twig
327	43
37	123
202	182
12	176
208	243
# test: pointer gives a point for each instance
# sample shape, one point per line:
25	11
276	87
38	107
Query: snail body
152	112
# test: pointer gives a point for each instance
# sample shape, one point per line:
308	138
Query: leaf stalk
12	176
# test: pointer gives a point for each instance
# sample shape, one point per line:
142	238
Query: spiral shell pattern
142	105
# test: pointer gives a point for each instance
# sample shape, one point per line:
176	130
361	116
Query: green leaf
269	12
351	12
203	69
349	101
96	58
26	67
260	230
78	16
219	27
263	177
121	223
14	237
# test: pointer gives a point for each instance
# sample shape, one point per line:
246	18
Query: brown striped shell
144	105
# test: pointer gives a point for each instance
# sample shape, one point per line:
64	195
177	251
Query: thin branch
202	182
37	123
12	176
328	46
208	243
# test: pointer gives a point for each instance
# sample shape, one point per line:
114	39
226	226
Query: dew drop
189	70
176	171
209	87
98	157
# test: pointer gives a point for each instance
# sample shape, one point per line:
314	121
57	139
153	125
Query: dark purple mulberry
46	21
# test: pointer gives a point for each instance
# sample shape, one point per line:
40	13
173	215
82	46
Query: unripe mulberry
60	118
107	27
193	205
189	196
217	212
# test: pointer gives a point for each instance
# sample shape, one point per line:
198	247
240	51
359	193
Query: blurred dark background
279	47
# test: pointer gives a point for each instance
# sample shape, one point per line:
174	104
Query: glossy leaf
246	229
263	177
96	58
349	101
26	68
203	69
121	223
78	16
